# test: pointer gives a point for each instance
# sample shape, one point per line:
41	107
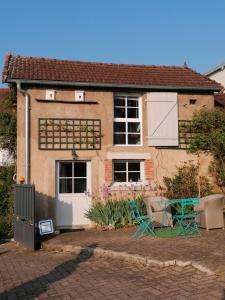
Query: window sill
129	186
122	145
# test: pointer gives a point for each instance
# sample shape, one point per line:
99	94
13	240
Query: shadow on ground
39	285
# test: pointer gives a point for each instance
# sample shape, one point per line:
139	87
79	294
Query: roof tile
32	68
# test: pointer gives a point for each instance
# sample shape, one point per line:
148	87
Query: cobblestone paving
42	275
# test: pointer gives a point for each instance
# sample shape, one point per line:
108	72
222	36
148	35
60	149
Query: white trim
128	183
88	179
131	120
128	155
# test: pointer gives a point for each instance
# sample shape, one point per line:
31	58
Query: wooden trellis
69	134
186	134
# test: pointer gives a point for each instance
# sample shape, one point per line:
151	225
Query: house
5	157
82	125
218	74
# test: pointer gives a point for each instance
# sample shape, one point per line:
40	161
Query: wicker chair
211	211
156	210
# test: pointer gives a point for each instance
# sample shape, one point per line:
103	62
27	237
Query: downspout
27	132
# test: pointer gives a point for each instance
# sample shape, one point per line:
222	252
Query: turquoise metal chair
144	222
186	218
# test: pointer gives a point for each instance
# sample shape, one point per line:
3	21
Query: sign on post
46	227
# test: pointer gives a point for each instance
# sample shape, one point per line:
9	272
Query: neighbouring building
218	74
81	125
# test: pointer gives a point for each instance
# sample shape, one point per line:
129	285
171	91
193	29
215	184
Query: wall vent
50	95
79	95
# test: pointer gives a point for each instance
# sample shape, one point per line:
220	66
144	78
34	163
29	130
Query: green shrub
185	183
6	200
6	228
114	213
208	126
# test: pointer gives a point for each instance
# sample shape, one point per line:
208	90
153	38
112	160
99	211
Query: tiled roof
43	69
220	99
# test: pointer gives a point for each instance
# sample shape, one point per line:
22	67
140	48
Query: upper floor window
127	120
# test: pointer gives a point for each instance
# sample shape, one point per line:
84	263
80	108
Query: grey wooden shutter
162	111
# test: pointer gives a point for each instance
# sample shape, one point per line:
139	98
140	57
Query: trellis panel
69	134
186	133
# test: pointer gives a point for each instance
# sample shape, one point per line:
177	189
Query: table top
184	201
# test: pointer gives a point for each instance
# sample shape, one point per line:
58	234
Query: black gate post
24	215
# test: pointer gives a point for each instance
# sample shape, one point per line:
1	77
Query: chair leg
151	232
144	228
136	231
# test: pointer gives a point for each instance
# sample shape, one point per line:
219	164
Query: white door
73	195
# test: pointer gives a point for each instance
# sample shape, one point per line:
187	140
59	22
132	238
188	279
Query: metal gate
24	215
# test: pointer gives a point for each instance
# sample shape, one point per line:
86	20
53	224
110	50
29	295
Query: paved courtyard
49	275
207	250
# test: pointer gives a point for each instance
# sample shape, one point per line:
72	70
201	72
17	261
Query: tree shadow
39	285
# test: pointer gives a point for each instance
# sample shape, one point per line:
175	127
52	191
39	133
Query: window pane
132	103
120	177
119	139
133	166
132	112
134	139
65	186
80	185
134	176
119	126
79	169
119	112
119	101
119	166
65	169
134	127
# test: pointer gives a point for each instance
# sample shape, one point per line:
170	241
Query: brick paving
49	275
207	250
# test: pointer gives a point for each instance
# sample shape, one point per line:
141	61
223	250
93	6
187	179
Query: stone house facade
81	126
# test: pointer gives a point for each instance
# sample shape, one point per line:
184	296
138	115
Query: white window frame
72	177
129	183
130	120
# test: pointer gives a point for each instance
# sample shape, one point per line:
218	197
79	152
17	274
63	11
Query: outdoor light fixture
74	154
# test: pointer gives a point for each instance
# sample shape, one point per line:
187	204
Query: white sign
46	227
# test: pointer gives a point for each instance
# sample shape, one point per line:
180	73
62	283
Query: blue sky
160	32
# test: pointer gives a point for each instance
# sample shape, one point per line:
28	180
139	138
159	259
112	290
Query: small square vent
79	95
50	95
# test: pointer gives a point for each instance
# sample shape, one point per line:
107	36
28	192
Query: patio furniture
211	211
144	222
186	217
159	210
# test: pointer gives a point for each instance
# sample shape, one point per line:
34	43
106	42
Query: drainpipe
27	132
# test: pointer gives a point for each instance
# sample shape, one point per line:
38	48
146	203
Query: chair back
189	202
134	210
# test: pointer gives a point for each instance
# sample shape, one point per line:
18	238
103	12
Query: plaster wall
43	162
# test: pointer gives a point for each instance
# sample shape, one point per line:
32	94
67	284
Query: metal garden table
185	216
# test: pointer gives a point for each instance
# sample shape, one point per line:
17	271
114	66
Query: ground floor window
127	171
72	177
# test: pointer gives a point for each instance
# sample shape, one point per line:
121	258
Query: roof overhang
215	69
111	85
